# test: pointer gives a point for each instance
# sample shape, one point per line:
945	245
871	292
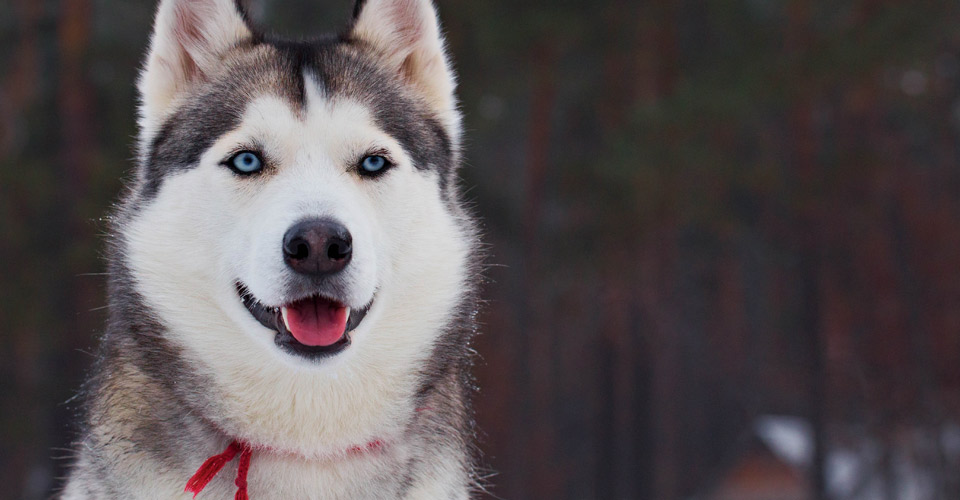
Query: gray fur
147	401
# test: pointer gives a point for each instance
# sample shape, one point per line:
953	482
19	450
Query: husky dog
292	275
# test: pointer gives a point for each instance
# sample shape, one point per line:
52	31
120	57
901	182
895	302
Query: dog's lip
272	318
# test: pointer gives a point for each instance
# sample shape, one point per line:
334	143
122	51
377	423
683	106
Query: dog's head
294	222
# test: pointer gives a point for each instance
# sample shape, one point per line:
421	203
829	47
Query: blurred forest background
725	237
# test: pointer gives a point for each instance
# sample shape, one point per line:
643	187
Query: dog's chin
312	327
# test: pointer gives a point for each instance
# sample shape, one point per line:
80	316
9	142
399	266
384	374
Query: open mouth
311	327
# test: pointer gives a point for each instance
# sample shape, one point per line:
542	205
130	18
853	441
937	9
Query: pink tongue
316	321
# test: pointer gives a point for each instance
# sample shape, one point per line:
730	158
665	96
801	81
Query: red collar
212	466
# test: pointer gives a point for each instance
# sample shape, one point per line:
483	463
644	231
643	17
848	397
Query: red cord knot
213	465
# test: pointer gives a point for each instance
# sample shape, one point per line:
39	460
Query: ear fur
189	37
406	34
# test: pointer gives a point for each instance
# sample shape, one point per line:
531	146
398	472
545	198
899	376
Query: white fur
207	228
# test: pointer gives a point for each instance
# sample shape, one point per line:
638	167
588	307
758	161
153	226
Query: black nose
317	247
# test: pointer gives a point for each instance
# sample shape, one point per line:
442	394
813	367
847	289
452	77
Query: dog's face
293	223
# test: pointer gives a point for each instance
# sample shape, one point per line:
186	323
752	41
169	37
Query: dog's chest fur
146	446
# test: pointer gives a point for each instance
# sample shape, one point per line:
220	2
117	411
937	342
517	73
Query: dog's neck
213	465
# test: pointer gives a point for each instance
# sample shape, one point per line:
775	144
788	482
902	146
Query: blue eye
245	162
373	164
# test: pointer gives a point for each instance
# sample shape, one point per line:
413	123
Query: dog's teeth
283	316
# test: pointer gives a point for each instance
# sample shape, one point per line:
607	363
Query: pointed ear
406	34
189	37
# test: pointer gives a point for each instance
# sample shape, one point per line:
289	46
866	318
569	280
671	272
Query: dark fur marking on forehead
341	69
397	109
339	65
215	109
183	139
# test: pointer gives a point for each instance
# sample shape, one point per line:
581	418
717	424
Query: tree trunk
537	348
